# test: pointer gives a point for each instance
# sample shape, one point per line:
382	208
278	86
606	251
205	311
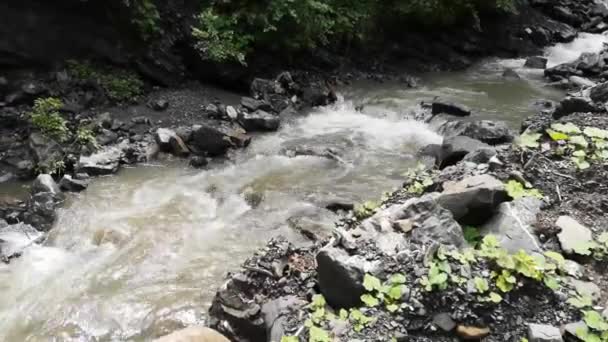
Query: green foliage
517	190
481	285
86	137
583	146
419	179
567	128
388	293
581	301
119	85
365	210
360	321
54	167
557	136
229	30
472	235
290	339
45	117
316	334
595	329
146	18
528	140
506	281
598	248
437	277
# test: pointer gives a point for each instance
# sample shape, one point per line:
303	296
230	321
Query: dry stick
259	270
529	161
559	194
562	175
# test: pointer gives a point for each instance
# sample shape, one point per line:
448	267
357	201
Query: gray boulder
511	74
572	233
259	121
106	137
215	141
473	200
169	142
489	132
575	104
480	156
252	104
45	150
274	314
67	183
340	277
453	150
586	288
599	93
40	210
445	107
512	225
45	183
581	82
103	162
14	239
536	62
544	333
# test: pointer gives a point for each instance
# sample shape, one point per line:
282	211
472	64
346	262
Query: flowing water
144	250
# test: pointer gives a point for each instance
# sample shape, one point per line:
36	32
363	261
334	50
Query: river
143	251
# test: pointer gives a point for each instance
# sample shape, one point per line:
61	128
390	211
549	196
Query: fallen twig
562	175
259	270
559	194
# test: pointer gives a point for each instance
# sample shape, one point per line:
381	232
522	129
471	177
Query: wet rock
259	121
105	120
573	269
45	150
510	74
544	333
480	156
312	150
45	183
571	328
109	236
169	142
471	333
106	137
14	239
489	132
340	277
160	105
453	150
575	104
198	162
67	183
513	225
473	200
310	227
103	162
444	321
572	233
40	210
253	105
231	113
215	141
337	206
194	334
429	222
599	93
536	62
274	313
581	82
444	107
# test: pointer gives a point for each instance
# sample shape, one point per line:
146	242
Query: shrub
119	85
45	117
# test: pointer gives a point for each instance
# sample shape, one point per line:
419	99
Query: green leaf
579	154
317	334
584	248
558	258
471	235
594	320
392	307
557	136
495	297
593	132
579	141
581	163
568	128
506	281
290	339
603	238
343	315
529	140
371	283
551	282
369	300
318	301
580	301
395	292
397	279
516	190
481	285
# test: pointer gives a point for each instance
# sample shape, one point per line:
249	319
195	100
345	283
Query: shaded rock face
103	162
68	183
341	277
474	199
536	62
168	141
45	150
575	104
599	93
444	107
513	225
453	150
489	132
215	141
259	121
44	200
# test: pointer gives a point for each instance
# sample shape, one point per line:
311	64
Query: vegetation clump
45	116
119	85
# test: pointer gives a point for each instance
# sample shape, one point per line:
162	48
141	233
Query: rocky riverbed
427	263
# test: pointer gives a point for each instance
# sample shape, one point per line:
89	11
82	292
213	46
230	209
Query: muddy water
144	250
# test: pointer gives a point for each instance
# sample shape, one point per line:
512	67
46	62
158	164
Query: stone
486	131
215	141
453	150
259	121
67	183
45	183
512	225
544	333
481	155
572	233
198	162
571	328
105	120
274	313
471	333
430	222
40	210
109	236
443	107
45	150
340	277
581	82
160	105
103	162
575	104
444	321
194	334
599	93
536	62
474	199
253	105
511	74
106	137
231	113
573	269
14	239
170	142
585	288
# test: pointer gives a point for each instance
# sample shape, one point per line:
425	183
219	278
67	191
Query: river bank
171	123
